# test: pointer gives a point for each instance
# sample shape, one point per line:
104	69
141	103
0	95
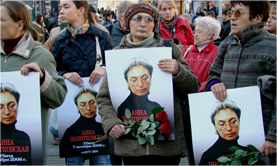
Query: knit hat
212	5
141	7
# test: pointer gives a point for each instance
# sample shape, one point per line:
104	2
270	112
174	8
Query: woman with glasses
171	26
226	121
142	19
138	75
74	136
202	53
10	136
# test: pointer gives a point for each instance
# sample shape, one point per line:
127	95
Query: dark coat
118	33
79	55
225	29
18	139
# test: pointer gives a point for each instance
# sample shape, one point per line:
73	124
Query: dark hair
17	10
38	19
138	61
255	8
84	89
225	12
8	87
85	5
108	14
210	13
223	106
34	34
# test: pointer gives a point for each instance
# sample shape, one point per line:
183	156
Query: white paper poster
216	125
21	136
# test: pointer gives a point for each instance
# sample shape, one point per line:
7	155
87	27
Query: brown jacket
40	30
185	82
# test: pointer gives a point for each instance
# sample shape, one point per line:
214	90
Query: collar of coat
92	31
207	49
253	30
24	46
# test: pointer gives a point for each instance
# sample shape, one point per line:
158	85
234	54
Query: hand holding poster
21	141
135	83
79	123
237	121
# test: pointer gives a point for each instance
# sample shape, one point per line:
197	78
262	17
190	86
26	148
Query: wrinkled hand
117	131
269	147
31	67
169	65
219	91
96	75
74	78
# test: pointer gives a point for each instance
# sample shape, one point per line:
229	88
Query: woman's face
141	26
8	108
86	104
9	28
139	80
227	124
167	11
201	35
69	13
271	23
41	19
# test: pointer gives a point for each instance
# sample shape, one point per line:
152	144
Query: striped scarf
169	25
82	30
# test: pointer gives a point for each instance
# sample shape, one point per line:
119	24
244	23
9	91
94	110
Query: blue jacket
118	33
79	55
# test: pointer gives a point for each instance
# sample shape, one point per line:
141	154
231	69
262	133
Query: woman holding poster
75	51
142	20
19	51
14	143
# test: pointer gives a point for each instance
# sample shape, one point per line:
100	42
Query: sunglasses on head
138	18
237	13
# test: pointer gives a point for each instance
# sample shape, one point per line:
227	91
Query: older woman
271	22
171	26
142	19
202	53
20	52
75	51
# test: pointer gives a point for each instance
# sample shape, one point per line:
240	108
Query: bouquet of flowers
147	130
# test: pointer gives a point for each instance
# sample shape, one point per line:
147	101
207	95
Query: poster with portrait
21	136
136	83
79	123
216	125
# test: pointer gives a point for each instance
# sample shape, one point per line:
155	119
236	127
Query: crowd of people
65	47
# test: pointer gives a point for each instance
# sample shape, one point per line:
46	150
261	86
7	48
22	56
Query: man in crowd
225	26
119	28
248	58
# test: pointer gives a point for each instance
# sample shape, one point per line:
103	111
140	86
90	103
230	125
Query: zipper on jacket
6	59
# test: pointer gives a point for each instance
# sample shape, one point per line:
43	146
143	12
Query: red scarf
9	45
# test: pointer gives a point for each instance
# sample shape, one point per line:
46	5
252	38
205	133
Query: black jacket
15	143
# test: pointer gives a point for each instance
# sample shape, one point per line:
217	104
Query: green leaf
223	159
151	139
157	110
244	153
134	133
257	155
152	126
139	130
239	152
151	132
251	161
234	162
127	130
128	113
234	148
145	133
132	122
126	122
252	148
145	124
141	140
152	119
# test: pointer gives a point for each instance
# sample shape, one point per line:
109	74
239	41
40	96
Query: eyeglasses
147	19
11	107
232	122
144	79
199	32
237	13
83	105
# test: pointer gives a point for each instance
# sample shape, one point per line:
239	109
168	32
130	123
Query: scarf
148	42
82	30
169	25
9	45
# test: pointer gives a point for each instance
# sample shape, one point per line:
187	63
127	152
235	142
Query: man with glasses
226	120
245	57
14	143
138	74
